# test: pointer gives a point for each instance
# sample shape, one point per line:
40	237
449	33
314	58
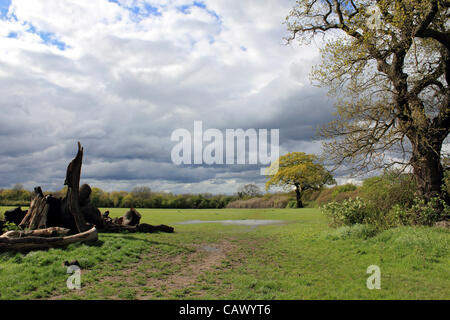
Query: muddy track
180	272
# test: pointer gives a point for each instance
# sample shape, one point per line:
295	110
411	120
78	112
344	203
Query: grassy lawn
301	259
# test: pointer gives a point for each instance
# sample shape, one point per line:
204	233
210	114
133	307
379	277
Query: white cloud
126	80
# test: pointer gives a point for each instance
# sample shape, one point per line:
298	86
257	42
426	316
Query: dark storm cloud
121	87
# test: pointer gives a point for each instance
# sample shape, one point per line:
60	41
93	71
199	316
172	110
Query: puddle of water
210	249
250	222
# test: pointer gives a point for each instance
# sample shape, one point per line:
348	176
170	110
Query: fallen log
48	232
147	228
38	242
143	227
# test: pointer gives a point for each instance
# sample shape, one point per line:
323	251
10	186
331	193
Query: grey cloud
116	98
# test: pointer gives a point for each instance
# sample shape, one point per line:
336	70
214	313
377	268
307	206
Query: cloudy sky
120	76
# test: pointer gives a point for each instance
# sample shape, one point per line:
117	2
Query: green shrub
335	194
346	213
428	213
292	204
359	231
9	226
398	216
342	188
341	196
273	201
420	213
325	196
390	189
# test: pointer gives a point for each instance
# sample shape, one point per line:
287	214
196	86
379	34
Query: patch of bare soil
173	273
205	258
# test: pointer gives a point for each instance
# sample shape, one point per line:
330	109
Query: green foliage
357	231
384	64
335	193
17	196
292	204
9	226
420	213
446	185
343	188
389	189
346	213
296	260
360	211
300	170
139	197
268	201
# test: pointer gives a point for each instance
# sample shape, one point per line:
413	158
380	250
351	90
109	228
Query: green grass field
301	259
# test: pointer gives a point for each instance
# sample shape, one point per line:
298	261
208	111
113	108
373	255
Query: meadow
301	258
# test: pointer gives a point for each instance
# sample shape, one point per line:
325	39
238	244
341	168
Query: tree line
139	197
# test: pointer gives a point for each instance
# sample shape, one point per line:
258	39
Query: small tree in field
301	171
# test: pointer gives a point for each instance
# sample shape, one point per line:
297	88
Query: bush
325	196
292	204
359	231
388	190
398	216
346	213
421	213
346	195
8	226
272	201
343	188
335	194
351	212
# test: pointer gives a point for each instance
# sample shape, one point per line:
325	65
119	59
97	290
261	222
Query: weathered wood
34	203
48	232
73	212
39	215
34	242
71	202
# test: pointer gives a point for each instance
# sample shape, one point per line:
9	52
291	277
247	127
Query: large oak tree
388	61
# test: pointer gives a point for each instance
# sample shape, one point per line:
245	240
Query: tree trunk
299	196
71	202
428	172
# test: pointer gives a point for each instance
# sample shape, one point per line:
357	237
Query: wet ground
245	222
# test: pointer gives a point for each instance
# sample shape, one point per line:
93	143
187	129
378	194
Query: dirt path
184	271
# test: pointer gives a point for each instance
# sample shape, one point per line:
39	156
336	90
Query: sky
120	76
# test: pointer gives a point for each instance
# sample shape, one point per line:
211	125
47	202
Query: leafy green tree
301	171
388	61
